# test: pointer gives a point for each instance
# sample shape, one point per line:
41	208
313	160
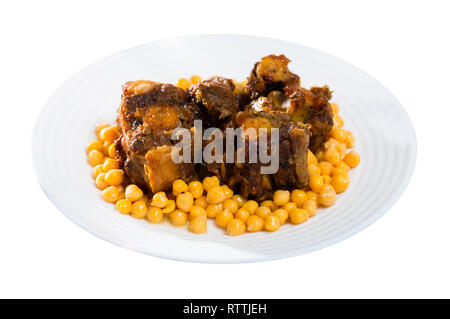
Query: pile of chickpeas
194	203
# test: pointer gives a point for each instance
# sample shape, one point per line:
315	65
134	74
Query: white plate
385	139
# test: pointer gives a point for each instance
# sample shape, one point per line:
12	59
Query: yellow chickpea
133	193
185	201
196	211
343	165
195	79
310	195
196	189
99	127
110	164
178	218
325	168
112	151
178	187
159	200
320	155
201	201
100	181
327	179
340	183
250	206
255	224
263	211
352	159
231	204
313	169
350	140
338	121
124	206
95	145
239	199
209	182
334	108
223	218
282	215
170	207
212	210
281	197
271	223
298	197
289	206
327	197
332	156
311	158
198	225
183	83
316	183
330	143
216	194
338	134
155	215
97	170
110	194
269	203
114	177
95	157
338	171
242	214
298	216
235	227
228	192
311	207
139	209
108	134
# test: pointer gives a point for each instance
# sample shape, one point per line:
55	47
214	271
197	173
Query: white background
403	44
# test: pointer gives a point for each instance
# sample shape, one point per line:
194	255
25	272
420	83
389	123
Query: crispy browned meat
271	77
148	114
293	152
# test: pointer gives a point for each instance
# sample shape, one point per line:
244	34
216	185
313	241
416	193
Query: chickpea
159	200
99	127
139	209
216	194
310	195
170	207
195	79
183	83
313	169
327	179
95	145
350	140
97	170
100	181
110	194
196	211
110	164
185	201
124	206
338	134
178	218
325	168
223	218
155	215
201	201
338	121
255	224
196	189
338	171
334	108
198	225
282	215
178	187
250	206
316	183
352	159
332	156
298	197
271	223
270	204
114	177
327	197
209	182
108	134
112	151
263	211
235	227
344	166
311	207
340	183
95	157
242	214
133	193
212	210
231	204
320	155
239	199
281	197
298	216
289	206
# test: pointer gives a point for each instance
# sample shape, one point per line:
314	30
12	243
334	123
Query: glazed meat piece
215	97
148	114
271	77
292	148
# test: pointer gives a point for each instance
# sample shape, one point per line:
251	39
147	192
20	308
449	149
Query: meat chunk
292	148
148	114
